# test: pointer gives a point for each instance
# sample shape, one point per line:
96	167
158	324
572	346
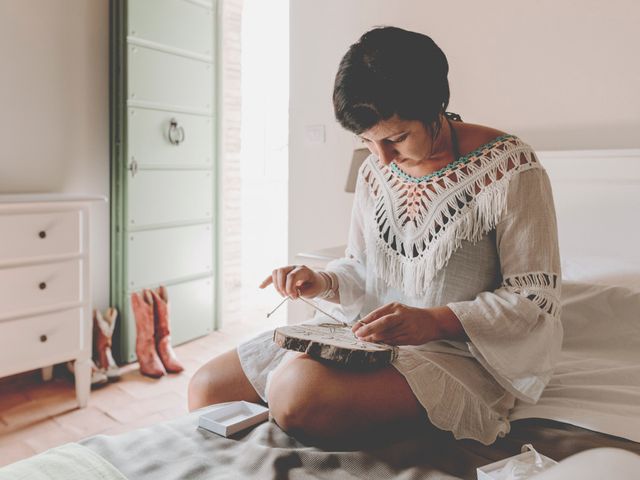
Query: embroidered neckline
418	226
462	160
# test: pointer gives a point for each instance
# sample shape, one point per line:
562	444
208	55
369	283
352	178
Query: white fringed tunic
478	236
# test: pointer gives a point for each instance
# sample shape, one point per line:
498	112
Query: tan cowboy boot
98	376
163	338
150	364
103	326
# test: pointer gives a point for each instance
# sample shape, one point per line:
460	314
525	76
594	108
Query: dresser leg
82	370
47	373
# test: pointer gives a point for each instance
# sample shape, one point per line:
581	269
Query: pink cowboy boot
150	364
162	334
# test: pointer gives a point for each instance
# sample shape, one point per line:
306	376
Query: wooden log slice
334	344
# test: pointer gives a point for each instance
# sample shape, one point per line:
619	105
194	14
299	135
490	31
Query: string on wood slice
334	343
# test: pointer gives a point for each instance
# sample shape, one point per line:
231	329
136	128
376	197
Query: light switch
315	134
358	142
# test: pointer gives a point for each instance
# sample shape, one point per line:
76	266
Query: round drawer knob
42	285
42	234
43	338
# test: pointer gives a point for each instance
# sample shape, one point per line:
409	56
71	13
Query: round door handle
175	133
42	285
42	234
43	338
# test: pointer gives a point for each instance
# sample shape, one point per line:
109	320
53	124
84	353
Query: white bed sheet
596	384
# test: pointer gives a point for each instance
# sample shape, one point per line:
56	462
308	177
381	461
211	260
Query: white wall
561	75
54	107
265	125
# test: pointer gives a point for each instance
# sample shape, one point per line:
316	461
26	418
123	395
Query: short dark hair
390	71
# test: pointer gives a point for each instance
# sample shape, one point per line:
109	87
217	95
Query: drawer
32	235
39	286
35	342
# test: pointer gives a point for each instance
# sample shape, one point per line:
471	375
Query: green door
163	161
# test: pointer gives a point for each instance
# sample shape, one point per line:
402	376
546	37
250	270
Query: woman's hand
397	324
290	280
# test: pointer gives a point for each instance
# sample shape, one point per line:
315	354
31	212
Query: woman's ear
434	130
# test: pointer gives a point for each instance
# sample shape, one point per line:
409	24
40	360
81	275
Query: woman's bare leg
324	404
221	380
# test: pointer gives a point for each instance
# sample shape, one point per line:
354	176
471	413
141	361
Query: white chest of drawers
45	294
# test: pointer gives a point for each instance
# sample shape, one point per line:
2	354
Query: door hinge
133	167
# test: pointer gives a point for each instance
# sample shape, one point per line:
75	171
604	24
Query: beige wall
560	74
54	107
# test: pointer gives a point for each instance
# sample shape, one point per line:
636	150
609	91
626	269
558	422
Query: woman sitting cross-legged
452	256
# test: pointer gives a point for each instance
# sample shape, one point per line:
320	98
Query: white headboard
597	198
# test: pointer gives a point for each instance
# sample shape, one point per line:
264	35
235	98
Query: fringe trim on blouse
541	288
419	226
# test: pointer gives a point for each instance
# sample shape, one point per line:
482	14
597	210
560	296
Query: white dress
478	236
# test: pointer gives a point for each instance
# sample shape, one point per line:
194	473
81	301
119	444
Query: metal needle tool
278	306
311	304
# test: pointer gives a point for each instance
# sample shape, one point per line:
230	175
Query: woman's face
405	142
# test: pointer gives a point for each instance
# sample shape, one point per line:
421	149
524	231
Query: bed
592	401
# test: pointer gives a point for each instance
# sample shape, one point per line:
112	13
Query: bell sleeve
515	331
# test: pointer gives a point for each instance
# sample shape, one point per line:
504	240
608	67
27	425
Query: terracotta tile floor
37	415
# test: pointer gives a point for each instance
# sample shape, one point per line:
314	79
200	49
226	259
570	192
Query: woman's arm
348	273
515	331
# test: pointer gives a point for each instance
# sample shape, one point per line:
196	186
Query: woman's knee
201	389
297	400
220	380
318	403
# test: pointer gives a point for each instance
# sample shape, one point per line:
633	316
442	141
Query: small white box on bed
488	472
230	418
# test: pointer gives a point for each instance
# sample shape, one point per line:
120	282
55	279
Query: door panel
168	254
149	140
189	28
191	300
165	196
169	80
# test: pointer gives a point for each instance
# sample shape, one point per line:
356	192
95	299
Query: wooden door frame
118	296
